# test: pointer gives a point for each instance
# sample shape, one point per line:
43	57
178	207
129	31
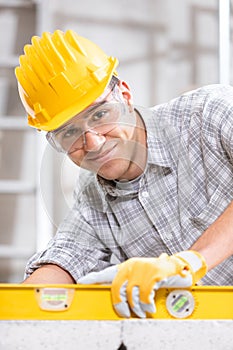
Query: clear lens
101	119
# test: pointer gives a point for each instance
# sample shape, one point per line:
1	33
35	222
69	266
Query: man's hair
114	81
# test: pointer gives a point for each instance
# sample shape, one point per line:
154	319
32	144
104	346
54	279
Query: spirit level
93	302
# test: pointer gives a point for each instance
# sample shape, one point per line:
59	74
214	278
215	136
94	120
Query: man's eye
99	115
72	132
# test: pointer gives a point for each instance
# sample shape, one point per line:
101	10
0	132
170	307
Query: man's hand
135	281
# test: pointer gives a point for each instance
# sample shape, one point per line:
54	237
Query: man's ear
126	91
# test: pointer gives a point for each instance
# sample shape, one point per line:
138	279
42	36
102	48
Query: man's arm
216	243
49	274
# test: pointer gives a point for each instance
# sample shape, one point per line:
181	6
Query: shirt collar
113	189
158	139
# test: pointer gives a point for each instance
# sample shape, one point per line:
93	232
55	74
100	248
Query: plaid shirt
187	184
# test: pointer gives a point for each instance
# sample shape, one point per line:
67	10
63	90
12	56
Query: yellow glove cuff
196	263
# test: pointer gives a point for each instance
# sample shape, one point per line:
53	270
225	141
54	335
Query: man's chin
112	170
109	174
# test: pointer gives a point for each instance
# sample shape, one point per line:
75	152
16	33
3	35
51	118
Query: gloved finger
122	307
149	307
159	284
140	307
136	305
104	276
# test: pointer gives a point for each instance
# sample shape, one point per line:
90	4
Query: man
158	194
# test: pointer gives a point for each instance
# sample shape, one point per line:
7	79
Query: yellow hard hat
59	75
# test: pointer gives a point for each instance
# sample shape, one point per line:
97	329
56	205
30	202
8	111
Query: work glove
135	281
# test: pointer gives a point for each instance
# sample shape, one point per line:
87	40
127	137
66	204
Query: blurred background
165	47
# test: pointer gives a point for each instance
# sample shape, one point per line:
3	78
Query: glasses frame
50	136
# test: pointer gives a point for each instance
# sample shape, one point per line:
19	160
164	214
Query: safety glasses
99	118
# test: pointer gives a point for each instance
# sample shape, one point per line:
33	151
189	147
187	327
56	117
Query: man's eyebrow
89	109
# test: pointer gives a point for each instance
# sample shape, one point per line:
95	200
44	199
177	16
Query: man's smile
105	153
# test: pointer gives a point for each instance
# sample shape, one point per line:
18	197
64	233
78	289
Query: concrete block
178	334
117	335
59	335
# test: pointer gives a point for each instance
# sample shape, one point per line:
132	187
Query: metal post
224	41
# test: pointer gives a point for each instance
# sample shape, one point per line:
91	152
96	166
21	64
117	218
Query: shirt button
145	194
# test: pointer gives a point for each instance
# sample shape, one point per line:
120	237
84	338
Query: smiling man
105	137
159	194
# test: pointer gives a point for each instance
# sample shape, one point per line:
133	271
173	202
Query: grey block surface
59	335
178	334
109	335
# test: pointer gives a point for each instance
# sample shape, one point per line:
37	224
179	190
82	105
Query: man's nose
92	141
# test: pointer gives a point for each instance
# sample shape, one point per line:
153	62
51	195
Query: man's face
107	138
